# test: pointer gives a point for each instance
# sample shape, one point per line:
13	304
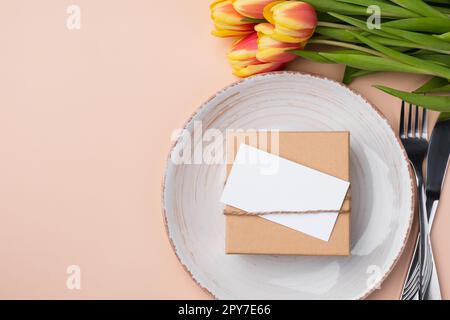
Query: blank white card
263	182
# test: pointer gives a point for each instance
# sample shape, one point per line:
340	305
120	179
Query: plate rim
292	73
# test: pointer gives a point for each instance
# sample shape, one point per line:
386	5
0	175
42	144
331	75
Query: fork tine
412	290
416	123
414	275
402	120
410	132
426	281
428	266
425	124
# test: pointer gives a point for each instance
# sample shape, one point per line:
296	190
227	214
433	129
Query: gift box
327	152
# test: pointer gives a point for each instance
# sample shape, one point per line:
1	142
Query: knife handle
432	212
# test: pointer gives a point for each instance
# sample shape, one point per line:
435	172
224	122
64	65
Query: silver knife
438	158
437	164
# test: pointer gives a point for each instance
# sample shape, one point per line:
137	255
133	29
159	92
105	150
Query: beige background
85	123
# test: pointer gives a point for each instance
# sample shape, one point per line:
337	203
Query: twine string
244	213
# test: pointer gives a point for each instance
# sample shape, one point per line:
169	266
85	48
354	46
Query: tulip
294	21
242	57
227	21
272	50
251	8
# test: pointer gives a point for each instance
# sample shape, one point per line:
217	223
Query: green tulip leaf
432	84
252	20
443	89
437	103
371	63
387	9
443	59
429	41
430	67
422	40
351	74
363	25
336	6
338	34
348	75
423	24
444	116
420	7
311	55
444	36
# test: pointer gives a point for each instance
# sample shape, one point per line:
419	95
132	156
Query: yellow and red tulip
242	57
294	21
251	8
265	46
272	50
227	21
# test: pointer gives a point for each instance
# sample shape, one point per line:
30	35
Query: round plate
382	193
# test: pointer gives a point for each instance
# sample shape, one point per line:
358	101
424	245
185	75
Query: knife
438	158
437	164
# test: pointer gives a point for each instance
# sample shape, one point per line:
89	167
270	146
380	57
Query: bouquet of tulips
411	36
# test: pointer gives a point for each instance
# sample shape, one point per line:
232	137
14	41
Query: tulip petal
286	38
225	13
292	36
265	28
267	12
272	50
265	41
229	33
245	48
251	8
295	15
239	64
245	27
293	21
257	68
274	55
228	22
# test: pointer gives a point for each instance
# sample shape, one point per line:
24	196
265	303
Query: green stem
336	25
347	45
403	43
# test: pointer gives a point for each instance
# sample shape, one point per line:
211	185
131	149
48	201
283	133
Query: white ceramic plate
382	193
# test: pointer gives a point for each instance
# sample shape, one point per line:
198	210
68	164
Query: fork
415	142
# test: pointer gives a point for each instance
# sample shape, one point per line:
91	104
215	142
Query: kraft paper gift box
327	152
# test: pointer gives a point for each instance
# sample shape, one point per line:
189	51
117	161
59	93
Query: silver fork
415	141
